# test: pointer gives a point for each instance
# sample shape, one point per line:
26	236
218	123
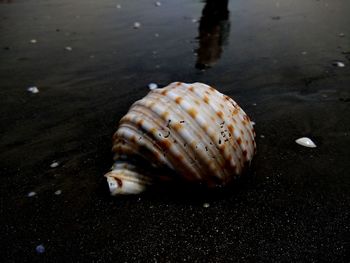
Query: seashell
188	131
307	142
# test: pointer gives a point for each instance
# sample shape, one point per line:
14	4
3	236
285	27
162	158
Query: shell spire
192	130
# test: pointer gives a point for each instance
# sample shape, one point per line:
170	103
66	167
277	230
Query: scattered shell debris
137	25
33	89
31	194
339	64
33	41
68	48
40	249
58	192
54	164
206	205
152	86
307	142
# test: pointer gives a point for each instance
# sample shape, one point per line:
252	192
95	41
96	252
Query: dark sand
273	57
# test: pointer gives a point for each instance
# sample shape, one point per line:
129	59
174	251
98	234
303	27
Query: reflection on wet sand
214	29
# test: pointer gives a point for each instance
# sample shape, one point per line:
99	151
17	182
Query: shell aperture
192	130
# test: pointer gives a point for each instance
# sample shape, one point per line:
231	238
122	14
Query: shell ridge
216	98
181	114
208	132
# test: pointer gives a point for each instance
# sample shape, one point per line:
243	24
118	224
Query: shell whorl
200	133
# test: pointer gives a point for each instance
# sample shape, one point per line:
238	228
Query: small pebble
206	205
40	249
341	35
33	89
158	3
254	104
339	64
307	142
262	136
152	86
31	194
118	6
33	41
58	192
54	164
137	25
68	48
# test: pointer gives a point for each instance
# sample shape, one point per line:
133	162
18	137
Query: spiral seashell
192	130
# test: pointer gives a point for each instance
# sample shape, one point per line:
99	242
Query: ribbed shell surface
193	129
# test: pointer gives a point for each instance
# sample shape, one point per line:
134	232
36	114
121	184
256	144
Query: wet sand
275	58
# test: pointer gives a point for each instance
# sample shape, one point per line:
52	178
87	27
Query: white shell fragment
54	164
33	41
304	141
31	194
339	64
58	192
152	86
68	48
158	3
191	130
33	89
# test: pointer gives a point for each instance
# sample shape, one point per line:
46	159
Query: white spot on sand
137	25
54	164
339	64
31	194
33	89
